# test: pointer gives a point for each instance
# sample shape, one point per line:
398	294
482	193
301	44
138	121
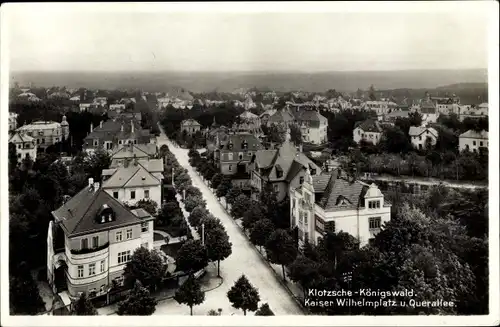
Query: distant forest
199	82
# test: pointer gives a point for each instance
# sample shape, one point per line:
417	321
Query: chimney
121	128
91	182
100	124
132	125
91	127
96	186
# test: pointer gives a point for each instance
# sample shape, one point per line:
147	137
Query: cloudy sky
60	38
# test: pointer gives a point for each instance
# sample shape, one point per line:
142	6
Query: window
95	241
123	257
132	195
120	142
373	204
103	265
301	179
129	234
313	171
374	223
80	271
118	236
144	227
146	194
92	269
115	194
276	188
240	155
420	138
96	142
306	218
230	168
229	156
473	142
249	154
84	243
19	146
279	174
481	143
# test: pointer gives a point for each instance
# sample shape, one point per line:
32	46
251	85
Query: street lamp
203	234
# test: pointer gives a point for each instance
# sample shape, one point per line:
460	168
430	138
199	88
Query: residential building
281	117
132	182
380	107
90	241
234	156
475	112
335	202
283	167
25	146
87	106
473	140
394	115
29	96
190	126
75	98
429	111
423	136
113	133
132	151
46	133
369	131
117	107
12	121
264	117
313	126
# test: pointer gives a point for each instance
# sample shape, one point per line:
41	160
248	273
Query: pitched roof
134	150
131	176
237	141
79	214
419	130
264	158
312	117
281	116
340	188
19	137
248	115
369	125
190	122
476	135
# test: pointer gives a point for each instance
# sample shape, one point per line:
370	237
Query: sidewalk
195	234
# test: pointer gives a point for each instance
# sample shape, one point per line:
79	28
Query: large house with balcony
113	133
473	141
46	133
369	131
284	167
333	203
133	182
90	241
312	124
234	156
25	146
421	137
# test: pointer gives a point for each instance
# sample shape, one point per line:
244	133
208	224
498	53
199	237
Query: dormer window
230	146
301	180
106	214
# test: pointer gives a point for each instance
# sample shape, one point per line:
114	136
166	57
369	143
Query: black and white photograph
216	162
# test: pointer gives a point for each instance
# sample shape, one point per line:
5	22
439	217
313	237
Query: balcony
90	250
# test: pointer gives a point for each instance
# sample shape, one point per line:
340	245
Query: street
243	260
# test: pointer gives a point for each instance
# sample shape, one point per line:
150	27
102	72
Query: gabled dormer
374	199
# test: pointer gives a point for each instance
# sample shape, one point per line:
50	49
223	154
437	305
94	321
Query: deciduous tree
190	293
261	231
243	295
192	256
240	206
280	249
264	310
145	266
138	303
218	245
83	307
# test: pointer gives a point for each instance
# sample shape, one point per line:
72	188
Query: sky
50	38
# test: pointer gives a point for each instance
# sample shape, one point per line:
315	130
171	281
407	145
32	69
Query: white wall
473	143
371	137
416	141
124	194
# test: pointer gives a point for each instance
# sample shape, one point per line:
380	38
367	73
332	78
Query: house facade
333	203
313	126
422	136
235	155
90	241
46	133
473	141
131	183
369	131
283	168
25	146
114	133
190	126
130	151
